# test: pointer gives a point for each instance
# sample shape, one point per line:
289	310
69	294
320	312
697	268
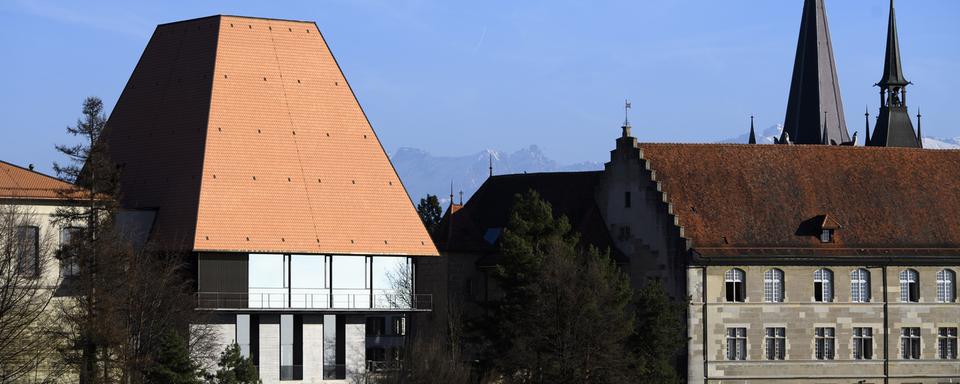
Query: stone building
34	235
836	264
241	142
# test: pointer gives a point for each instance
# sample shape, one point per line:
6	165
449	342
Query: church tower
894	128
815	108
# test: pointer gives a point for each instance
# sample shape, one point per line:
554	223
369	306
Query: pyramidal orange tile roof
22	183
245	136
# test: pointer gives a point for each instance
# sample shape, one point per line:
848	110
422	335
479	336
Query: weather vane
626	112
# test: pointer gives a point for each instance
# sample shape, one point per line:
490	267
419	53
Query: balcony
314	302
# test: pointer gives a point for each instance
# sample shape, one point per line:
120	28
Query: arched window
734	281
860	286
823	285
909	286
773	286
946	286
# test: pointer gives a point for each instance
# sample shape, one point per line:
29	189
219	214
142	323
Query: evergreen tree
235	369
563	316
660	335
430	212
172	363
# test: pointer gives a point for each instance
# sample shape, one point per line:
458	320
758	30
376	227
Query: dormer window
826	236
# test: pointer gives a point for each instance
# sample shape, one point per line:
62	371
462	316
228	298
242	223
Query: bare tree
24	295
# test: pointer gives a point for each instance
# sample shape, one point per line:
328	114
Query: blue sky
454	77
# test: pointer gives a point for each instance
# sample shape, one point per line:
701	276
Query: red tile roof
736	199
246	136
22	183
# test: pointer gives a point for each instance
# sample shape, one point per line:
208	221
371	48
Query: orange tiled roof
21	183
738	199
245	135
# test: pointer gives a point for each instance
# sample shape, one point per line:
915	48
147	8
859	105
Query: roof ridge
222	15
36	172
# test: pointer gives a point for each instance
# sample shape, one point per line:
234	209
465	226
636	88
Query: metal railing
240	300
383	366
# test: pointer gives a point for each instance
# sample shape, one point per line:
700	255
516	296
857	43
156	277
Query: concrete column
313	348
222	329
270	349
356	345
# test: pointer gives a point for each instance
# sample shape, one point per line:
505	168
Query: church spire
753	136
919	134
866	118
894	127
814	88
892	68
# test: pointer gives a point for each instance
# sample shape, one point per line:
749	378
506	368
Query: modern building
241	142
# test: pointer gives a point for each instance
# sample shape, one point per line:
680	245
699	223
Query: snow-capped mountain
423	173
765	137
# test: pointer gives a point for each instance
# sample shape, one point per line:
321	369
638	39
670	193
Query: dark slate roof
815	90
734	200
476	226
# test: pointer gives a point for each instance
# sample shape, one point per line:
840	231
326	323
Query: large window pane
308	286
350	282
392	282
266	281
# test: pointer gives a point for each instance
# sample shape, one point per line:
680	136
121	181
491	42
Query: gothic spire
919	134
866	118
753	135
892	68
894	127
814	88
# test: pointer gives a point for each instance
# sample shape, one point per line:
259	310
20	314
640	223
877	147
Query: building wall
800	315
222	328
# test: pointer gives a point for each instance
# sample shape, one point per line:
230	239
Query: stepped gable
758	199
245	136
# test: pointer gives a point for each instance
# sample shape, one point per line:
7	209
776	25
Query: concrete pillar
313	348
356	345
270	349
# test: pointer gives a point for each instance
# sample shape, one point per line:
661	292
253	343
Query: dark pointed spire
919	133
753	136
825	140
892	68
814	87
894	127
866	118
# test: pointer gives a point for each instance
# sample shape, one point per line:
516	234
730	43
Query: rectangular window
350	281
291	347
267	280
627	201
909	286
736	343
825	343
776	341
308	282
910	343
734	285
248	336
947	343
28	251
69	265
399	326
863	343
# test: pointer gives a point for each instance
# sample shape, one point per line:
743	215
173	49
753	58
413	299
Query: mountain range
424	173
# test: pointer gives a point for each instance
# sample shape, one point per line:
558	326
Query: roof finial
753	136
919	133
461	197
866	118
451	192
826	138
626	118
490	160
